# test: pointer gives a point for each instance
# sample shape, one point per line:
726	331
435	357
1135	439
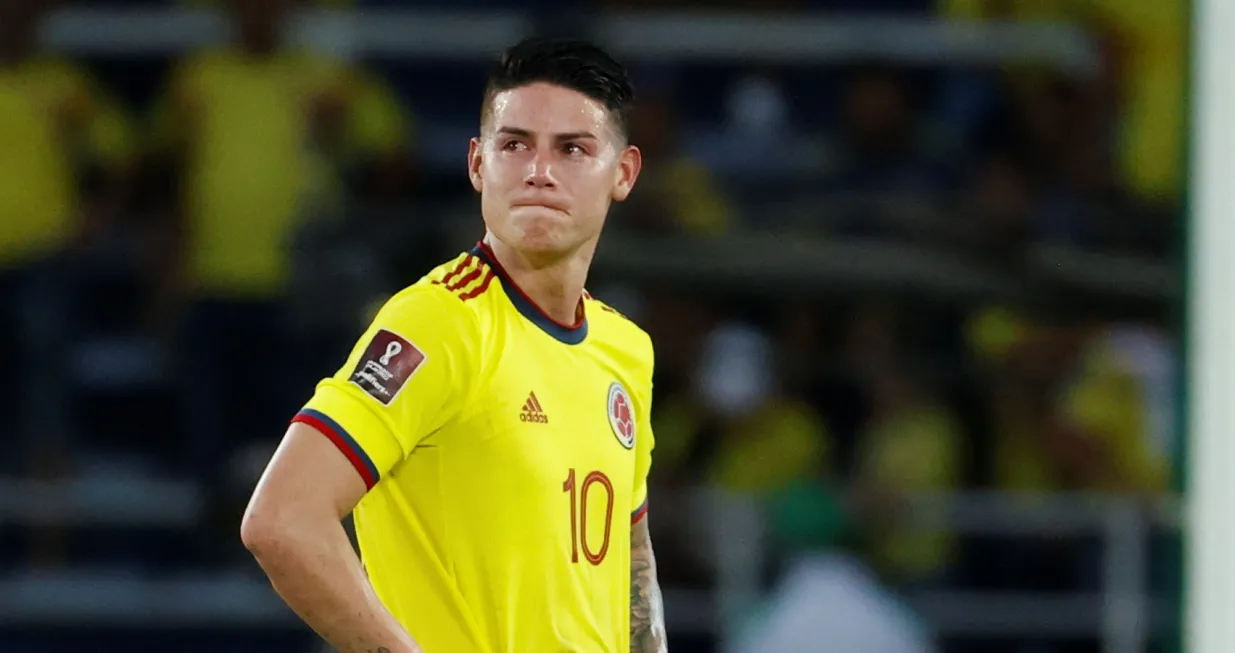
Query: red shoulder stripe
467	260
478	290
468	278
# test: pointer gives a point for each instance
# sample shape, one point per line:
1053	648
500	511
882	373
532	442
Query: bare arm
647	608
293	527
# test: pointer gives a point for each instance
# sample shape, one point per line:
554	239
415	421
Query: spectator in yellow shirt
257	132
735	431
58	131
912	447
678	193
1144	50
1109	404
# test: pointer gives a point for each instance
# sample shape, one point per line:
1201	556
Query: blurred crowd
187	245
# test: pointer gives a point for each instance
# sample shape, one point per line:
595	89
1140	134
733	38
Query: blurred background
912	268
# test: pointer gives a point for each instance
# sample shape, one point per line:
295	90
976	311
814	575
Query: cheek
497	174
599	199
596	180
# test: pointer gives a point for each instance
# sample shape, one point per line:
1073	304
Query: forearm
647	608
318	574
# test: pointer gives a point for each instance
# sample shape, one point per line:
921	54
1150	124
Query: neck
555	284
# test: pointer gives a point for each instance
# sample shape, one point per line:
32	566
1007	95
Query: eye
573	149
512	145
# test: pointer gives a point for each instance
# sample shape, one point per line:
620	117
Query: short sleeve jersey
503	453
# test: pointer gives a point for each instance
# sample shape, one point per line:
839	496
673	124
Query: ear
630	162
475	158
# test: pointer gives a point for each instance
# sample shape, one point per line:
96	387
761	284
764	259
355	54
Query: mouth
540	205
552	206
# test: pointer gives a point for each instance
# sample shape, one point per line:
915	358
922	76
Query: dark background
912	270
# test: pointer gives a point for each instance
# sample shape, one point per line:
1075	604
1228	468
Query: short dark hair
570	63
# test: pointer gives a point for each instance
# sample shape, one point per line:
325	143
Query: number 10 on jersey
579	512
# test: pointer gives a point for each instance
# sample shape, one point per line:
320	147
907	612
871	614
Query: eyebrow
568	136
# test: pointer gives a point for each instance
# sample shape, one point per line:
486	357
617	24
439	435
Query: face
547	164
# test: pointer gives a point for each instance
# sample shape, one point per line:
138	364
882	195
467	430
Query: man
1143	55
66	149
491	427
257	131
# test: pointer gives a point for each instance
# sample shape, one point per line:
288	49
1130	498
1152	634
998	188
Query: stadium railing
1123	613
767	262
637	36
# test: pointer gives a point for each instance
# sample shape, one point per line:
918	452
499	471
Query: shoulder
466	277
443	301
620	328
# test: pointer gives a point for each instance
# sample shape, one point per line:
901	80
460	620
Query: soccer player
490	429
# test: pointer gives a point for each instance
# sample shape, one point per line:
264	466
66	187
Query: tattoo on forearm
647	611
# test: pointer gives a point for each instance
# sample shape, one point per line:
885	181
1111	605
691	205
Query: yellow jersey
503	452
1152	57
55	118
254	171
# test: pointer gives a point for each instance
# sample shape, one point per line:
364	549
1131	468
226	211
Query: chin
542	244
542	230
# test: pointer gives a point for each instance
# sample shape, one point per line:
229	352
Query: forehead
547	108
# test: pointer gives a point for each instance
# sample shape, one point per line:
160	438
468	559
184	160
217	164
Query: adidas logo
532	412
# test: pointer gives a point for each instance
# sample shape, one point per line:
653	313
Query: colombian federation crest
621	415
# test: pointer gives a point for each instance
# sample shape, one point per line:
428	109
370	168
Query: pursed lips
547	204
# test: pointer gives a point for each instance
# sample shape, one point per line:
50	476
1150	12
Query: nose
540	173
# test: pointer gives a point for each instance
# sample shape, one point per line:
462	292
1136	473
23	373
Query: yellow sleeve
645	442
408	375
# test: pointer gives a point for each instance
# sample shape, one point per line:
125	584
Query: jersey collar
568	334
